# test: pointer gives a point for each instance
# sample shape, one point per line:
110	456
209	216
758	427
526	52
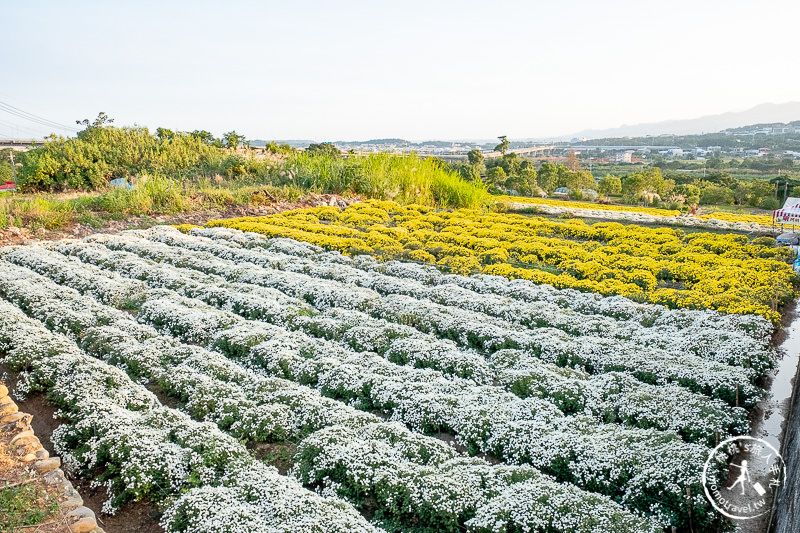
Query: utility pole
786	190
13	166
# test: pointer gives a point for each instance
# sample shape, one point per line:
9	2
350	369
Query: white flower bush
484	419
195	511
682	220
364	332
470	329
594	307
445	487
268	340
145	449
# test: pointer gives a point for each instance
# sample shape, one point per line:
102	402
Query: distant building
623	157
675	152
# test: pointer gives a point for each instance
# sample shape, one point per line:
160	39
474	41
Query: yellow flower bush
764	220
668	266
185	228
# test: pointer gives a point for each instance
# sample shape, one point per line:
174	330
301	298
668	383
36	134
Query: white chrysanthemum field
407	399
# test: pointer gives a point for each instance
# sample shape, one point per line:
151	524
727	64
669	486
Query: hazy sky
417	70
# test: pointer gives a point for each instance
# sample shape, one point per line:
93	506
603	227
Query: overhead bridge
21	144
520	151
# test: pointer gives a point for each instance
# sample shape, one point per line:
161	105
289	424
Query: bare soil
136	517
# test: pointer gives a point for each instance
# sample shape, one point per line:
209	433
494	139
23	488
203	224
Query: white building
623	157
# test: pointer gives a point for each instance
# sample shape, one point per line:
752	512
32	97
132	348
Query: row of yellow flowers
725	272
764	220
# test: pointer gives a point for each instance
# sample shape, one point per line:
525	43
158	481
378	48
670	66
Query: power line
36	121
26	130
34	118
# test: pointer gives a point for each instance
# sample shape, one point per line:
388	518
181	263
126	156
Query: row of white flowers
635	318
632	464
683	220
145	449
398	343
468	328
448	488
412	460
608	397
729	347
213	386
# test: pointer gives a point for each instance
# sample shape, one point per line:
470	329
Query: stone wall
37	463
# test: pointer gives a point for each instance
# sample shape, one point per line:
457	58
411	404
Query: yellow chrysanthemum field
725	272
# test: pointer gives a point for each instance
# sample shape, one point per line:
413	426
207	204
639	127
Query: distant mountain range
294	143
760	114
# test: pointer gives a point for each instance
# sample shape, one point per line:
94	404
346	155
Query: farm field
394	395
665	216
666	266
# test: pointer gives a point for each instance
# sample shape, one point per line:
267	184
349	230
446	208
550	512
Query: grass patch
155	195
404	179
24	506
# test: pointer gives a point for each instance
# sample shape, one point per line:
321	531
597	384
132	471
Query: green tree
638	185
742	192
101	120
207	138
496	176
475	157
760	191
609	186
323	149
503	146
476	168
633	187
164	134
547	177
575	181
511	164
690	193
716	195
232	139
6	171
525	182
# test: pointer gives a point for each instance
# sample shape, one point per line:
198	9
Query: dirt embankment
13	235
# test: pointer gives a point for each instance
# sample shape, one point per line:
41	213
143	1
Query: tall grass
404	179
175	176
34	213
154	195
